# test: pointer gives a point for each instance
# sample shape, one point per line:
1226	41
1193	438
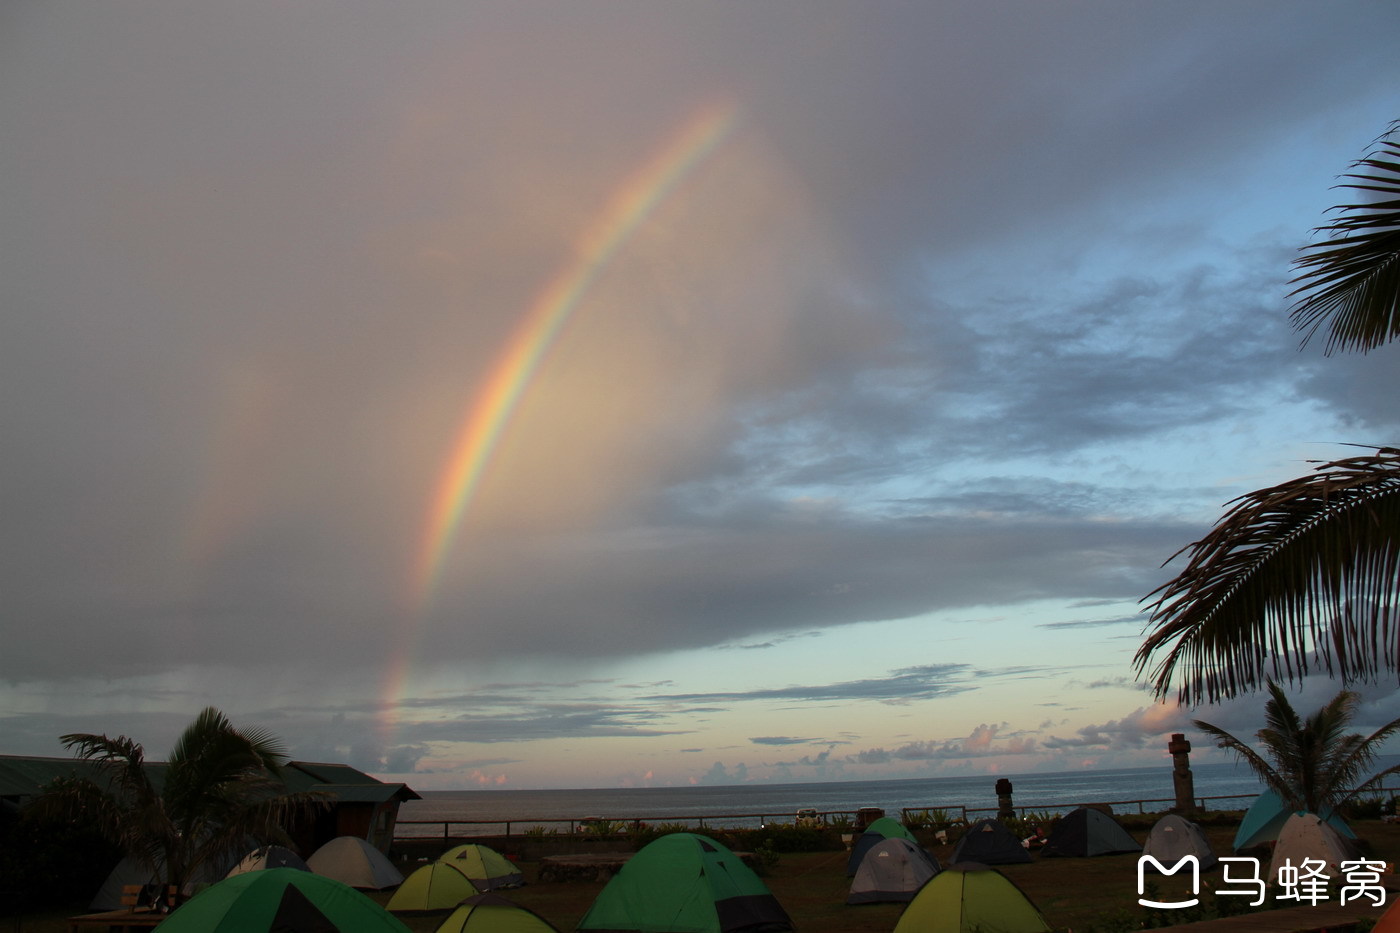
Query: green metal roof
22	776
367	793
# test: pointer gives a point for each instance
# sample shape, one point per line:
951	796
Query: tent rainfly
268	857
989	842
491	913
892	872
1265	818
1306	836
967	897
280	900
878	831
487	868
1088	832
1174	837
685	883
436	886
355	862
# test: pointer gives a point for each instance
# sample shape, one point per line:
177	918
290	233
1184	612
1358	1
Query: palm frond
1309	566
1350	282
1257	763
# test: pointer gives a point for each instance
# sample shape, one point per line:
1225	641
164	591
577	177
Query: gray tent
131	872
893	870
353	861
1086	832
1174	837
989	842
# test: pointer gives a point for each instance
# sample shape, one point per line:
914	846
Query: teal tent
687	883
1266	816
280	900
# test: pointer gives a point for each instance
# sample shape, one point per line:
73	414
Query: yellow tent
491	913
439	886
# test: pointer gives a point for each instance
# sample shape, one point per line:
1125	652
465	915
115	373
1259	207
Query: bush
54	860
642	834
784	837
1365	808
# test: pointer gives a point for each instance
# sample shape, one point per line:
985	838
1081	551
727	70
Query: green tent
436	886
491	913
285	900
487	868
687	883
969	897
876	833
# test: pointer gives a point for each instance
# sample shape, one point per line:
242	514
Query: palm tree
1309	568
1312	764
220	788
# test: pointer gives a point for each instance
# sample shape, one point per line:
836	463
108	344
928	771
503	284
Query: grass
1073	894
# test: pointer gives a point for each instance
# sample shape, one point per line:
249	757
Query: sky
611	393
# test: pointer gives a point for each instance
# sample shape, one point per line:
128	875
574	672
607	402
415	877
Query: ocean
753	804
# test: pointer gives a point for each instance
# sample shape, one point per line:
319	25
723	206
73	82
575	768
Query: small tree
1312	764
220	788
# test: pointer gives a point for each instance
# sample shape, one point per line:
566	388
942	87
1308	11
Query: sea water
751	804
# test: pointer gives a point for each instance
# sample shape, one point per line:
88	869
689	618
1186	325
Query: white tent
1174	837
353	861
1305	836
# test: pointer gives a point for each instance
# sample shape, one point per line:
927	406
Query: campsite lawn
1077	894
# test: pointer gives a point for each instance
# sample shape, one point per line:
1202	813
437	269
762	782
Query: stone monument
1182	782
1004	808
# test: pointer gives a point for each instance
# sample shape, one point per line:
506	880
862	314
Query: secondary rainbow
500	392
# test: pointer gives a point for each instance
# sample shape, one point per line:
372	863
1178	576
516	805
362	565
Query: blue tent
1266	816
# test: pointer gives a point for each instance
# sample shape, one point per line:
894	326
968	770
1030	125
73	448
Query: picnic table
125	920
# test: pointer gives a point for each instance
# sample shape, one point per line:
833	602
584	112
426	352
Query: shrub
642	834
783	837
54	860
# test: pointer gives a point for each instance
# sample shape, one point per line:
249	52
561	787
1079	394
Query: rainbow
500	392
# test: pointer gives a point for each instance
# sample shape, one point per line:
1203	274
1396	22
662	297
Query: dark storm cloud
257	257
1137	620
923	682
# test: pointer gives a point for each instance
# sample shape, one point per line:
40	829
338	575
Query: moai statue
1182	781
1004	808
